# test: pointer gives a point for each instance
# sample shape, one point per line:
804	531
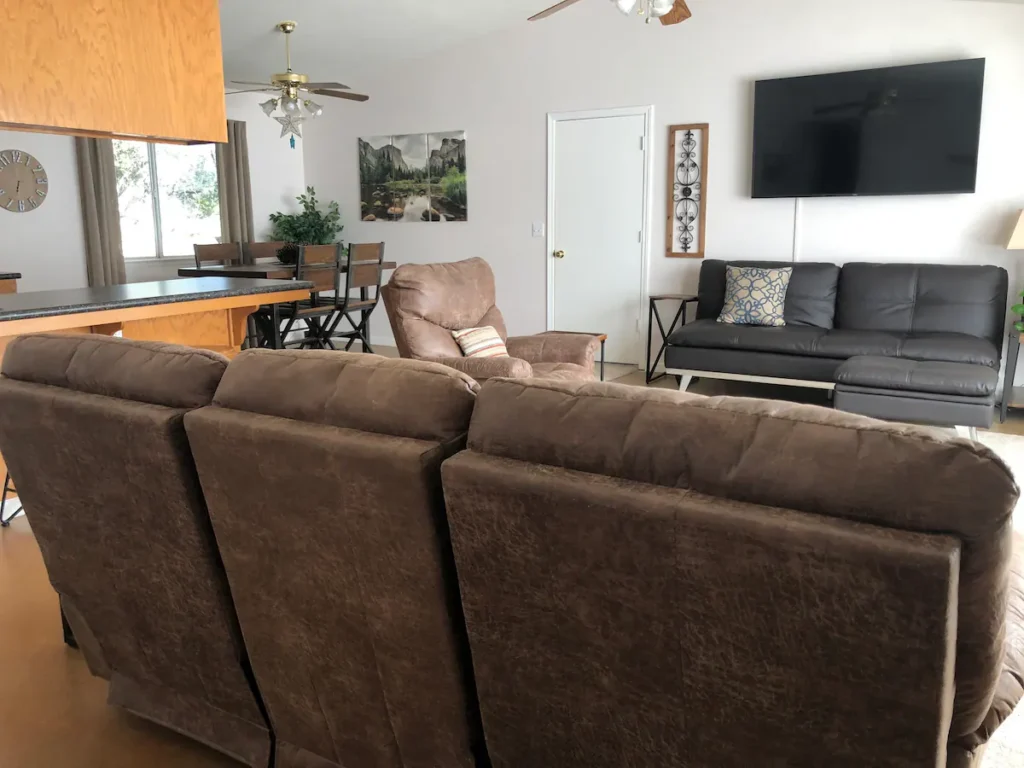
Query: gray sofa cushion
923	298
709	334
941	347
746	363
810	301
839	344
886	373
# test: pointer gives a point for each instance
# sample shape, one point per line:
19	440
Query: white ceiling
338	39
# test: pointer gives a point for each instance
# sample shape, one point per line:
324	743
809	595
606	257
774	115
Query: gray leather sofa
909	342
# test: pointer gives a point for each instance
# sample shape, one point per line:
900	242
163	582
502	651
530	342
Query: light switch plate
538	229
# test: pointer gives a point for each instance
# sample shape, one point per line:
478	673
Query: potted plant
1018	310
309	227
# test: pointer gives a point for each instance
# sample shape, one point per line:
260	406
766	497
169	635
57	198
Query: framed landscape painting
413	177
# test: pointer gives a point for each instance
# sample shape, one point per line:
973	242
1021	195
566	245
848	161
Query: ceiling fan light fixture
268	107
290	105
660	8
626	6
314	109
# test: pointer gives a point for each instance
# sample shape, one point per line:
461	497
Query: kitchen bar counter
9	282
209	313
117	297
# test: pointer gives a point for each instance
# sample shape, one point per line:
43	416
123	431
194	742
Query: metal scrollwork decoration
687	192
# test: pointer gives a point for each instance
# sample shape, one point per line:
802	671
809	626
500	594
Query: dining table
272	270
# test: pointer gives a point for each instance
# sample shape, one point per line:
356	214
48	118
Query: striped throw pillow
481	342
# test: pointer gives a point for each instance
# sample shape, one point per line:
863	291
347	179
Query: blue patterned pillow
755	296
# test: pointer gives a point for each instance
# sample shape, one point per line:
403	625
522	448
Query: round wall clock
23	182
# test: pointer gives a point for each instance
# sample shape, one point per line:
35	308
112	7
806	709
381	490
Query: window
185	208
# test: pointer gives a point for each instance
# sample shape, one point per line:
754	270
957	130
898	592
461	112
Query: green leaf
1017	309
310	227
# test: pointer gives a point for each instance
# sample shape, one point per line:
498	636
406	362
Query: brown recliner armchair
426	302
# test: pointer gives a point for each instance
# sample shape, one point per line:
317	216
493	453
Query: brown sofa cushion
321	472
405	398
794	457
146	372
109	485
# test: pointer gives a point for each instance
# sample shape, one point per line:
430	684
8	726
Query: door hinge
640	236
643	144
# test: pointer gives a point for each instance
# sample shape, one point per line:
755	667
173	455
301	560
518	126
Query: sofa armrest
1010	686
483	368
576	348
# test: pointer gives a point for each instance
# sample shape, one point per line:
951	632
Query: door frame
554	118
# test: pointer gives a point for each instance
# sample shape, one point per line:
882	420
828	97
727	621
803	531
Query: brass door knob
559	254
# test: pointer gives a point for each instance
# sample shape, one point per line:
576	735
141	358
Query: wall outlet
538	229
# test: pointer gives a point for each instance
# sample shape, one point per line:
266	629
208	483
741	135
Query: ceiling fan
293	88
669	11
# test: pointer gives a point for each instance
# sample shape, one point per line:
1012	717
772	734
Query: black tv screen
897	131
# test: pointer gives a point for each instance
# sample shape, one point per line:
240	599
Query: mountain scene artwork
415	177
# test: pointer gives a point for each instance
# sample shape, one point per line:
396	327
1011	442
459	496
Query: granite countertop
24	306
10	275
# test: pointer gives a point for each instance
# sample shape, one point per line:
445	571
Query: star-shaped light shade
269	106
291	124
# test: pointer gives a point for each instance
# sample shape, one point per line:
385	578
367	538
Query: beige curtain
236	224
97	181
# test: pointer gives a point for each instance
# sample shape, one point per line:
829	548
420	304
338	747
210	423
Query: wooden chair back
320	265
364	265
255	253
217	254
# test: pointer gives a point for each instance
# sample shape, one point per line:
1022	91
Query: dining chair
320	265
217	254
364	267
255	253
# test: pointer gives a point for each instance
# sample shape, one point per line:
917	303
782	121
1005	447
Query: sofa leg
971	433
684	383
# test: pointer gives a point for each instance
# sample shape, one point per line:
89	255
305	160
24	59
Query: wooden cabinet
132	68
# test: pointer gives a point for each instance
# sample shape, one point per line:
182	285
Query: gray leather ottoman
895	389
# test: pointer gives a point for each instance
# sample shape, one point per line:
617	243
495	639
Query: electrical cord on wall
797	211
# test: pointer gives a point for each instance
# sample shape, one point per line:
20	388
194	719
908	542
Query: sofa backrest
426	302
924	298
91	428
795	591
811	299
901	298
322	475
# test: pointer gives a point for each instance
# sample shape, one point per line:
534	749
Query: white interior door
598	184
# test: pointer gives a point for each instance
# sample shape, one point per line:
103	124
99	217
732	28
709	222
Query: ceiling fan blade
336	86
553	10
680	12
341	95
253	90
251	82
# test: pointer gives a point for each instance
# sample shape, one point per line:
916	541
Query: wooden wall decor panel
686	222
113	68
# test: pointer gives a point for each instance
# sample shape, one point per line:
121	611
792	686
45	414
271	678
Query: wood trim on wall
670	251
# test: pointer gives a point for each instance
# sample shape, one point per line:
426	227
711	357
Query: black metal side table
654	316
1013	350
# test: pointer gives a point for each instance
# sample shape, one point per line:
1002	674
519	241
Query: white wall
46	245
276	174
500	89
276	170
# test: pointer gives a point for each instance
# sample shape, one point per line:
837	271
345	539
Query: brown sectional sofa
322	476
92	428
639	577
797	590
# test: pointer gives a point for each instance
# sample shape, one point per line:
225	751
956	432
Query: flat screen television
896	131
